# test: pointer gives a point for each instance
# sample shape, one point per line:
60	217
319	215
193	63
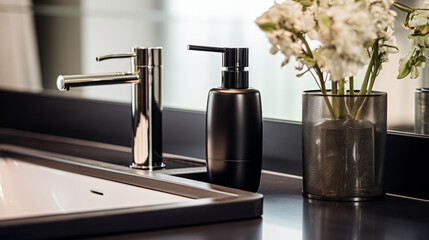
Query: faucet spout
65	82
146	104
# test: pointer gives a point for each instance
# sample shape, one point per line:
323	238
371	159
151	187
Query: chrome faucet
146	101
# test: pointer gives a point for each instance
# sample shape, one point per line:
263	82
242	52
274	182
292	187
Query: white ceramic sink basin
51	195
28	190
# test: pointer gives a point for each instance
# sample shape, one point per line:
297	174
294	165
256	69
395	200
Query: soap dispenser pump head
234	60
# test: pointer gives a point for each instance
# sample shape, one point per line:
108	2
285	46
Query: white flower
418	41
419	17
421	41
387	45
340	65
313	34
282	40
307	22
350	30
289	11
320	59
290	15
381	16
412	61
326	4
344	29
282	22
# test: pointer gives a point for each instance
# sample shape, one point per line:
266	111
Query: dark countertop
288	215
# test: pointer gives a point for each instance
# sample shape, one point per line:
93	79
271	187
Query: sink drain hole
96	192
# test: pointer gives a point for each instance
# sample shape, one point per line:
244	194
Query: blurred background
42	39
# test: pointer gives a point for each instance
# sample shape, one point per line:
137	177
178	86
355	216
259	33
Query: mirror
45	38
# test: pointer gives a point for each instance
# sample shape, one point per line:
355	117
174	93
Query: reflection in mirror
71	33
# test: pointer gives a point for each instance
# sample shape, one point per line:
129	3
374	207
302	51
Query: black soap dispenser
233	124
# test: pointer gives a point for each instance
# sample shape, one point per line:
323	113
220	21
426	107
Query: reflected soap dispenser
233	124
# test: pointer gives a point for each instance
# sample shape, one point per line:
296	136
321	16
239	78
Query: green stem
321	80
316	67
403	7
376	67
341	87
319	74
342	101
350	101
373	77
374	74
363	90
307	46
335	100
334	87
367	74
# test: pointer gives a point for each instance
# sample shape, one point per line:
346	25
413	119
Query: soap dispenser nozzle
234	60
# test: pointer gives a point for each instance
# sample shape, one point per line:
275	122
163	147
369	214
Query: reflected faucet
146	101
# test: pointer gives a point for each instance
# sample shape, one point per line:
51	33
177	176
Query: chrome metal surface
421	114
117	55
64	83
146	101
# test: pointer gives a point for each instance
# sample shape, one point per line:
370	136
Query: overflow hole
96	192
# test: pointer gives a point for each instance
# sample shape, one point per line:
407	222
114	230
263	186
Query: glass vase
344	146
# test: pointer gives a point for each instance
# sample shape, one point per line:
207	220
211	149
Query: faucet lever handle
118	55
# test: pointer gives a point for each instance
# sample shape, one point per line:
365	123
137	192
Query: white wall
19	60
112	26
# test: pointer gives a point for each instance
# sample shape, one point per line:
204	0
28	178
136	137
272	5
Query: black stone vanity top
288	215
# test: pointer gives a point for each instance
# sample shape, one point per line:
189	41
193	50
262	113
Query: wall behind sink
19	62
72	32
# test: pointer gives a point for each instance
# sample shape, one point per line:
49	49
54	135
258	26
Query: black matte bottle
233	124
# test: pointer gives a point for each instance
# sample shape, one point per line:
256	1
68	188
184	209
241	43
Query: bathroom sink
28	190
52	195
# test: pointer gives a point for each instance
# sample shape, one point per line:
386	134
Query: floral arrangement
417	21
350	34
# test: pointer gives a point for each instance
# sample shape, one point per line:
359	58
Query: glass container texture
344	146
